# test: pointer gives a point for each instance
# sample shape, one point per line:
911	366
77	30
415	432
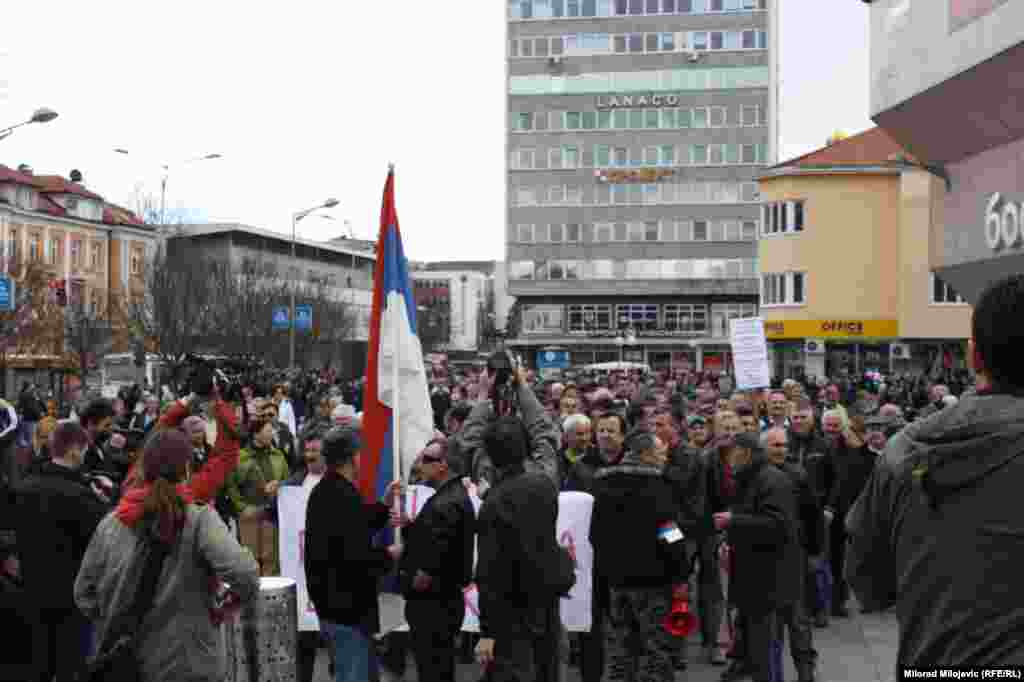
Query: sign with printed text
831	329
280	317
303	317
573	532
291	513
750	353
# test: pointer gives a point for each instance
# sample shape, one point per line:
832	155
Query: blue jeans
354	656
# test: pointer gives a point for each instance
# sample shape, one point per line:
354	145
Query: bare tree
178	305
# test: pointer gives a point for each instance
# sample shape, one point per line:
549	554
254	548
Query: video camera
206	377
502	366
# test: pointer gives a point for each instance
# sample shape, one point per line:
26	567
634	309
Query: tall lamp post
296	217
41	115
166	172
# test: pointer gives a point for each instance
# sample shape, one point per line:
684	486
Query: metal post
291	325
163	200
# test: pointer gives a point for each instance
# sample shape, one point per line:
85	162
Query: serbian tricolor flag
397	416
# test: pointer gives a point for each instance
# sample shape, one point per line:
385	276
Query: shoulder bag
117	659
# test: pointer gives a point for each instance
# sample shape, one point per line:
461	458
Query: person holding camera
509	393
521	570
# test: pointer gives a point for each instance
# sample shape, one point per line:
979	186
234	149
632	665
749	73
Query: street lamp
40	115
163	180
296	217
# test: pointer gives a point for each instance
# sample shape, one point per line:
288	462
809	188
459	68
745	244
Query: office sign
304	317
7	294
630	101
838	328
281	318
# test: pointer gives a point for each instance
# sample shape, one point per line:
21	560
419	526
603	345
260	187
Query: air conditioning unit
814	347
899	351
554	61
692	56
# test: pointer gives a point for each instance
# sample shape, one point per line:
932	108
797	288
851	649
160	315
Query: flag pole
396	440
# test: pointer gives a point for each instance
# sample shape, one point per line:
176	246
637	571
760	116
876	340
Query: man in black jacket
792	616
57	514
805	448
437	562
640	552
520	570
762	528
98	421
937	531
342	567
852	463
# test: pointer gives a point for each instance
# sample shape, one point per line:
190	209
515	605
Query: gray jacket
177	641
937	533
544	440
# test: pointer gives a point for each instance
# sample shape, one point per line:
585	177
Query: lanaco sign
629	101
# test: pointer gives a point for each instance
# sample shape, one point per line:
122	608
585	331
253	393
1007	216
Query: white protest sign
415	497
750	353
291	514
574	510
573	533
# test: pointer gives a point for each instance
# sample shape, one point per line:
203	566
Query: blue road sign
6	294
281	318
553	359
304	317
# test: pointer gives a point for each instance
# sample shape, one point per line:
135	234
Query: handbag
117	659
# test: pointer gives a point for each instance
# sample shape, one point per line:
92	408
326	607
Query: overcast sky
313	99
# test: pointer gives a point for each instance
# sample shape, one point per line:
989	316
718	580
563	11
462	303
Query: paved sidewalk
858	649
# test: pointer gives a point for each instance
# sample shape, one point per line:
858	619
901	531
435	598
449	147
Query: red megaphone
680	622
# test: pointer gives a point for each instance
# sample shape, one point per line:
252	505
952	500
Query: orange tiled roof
872	147
55	184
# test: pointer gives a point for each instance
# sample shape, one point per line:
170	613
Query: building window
639	316
787	288
542	319
521	269
53	256
13	245
563	269
783	217
34	248
943	294
96	256
76	254
722	313
685	317
588	318
524	234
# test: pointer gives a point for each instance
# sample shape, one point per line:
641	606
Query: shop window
943	294
542	319
588	318
685	317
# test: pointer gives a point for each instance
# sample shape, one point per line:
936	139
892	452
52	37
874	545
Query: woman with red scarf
176	638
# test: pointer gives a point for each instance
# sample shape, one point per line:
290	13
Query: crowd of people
760	507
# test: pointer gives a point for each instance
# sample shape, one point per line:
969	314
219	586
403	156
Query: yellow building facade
846	287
